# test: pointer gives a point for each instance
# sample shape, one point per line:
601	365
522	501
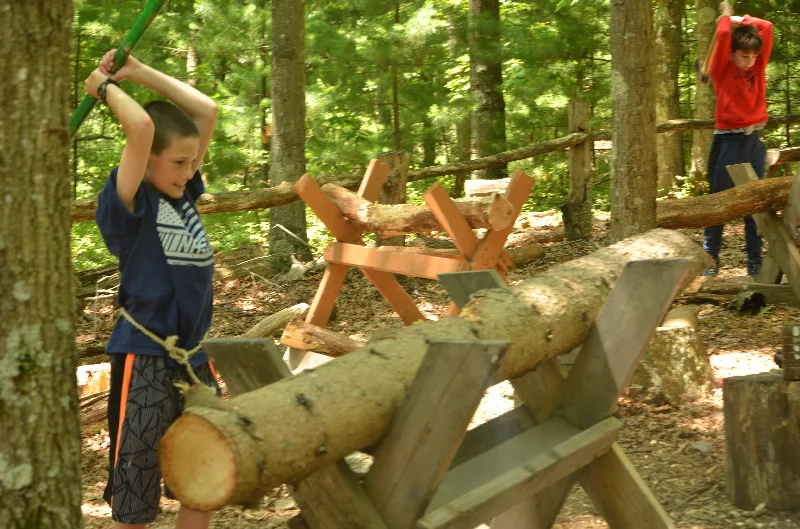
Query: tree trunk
40	441
669	147
762	428
577	208
288	125
265	129
493	212
706	16
394	189
285	431
486	79
633	158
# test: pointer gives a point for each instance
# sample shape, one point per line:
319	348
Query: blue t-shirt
166	267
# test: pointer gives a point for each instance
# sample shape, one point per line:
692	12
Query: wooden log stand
430	473
379	264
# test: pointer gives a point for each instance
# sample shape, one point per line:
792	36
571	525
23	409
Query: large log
287	430
493	212
709	210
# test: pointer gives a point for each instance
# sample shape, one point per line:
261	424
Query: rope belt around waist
179	354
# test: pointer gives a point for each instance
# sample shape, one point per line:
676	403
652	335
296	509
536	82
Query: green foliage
552	51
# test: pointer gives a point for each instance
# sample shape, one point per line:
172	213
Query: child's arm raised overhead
139	130
196	104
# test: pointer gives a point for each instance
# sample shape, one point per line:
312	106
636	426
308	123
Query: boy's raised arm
196	104
139	130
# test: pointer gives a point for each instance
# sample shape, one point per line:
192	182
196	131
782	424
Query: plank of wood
417	265
770	272
374	178
307	337
781	244
331	498
246	364
482	188
620	493
327	292
308	189
414	455
501	478
791	211
461	285
395	295
451	219
492	244
619	336
492	433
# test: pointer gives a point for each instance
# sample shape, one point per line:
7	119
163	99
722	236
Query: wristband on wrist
101	90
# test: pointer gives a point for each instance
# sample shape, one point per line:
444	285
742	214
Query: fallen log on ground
285	431
307	337
710	210
385	220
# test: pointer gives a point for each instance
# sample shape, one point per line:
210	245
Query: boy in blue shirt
147	216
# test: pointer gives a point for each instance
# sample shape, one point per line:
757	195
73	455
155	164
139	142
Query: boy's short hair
168	121
746	38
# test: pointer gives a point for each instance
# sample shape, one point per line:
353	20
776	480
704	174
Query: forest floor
678	450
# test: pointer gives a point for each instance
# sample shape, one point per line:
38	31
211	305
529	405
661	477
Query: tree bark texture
394	189
494	212
633	157
669	147
287	159
706	13
287	430
486	80
40	441
762	428
577	208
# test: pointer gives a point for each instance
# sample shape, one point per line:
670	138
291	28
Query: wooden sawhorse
379	264
781	233
517	469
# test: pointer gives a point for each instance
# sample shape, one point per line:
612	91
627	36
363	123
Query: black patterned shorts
142	404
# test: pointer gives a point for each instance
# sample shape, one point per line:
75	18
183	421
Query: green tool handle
125	48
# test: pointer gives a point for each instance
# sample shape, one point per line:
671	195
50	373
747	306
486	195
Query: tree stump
675	365
762	441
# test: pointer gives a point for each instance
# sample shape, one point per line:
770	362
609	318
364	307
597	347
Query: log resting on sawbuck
229	452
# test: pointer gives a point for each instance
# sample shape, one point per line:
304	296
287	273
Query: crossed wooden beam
517	469
379	264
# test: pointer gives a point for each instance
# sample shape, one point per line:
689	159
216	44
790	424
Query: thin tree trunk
669	147
40	441
288	126
266	133
706	16
633	159
486	79
192	58
397	137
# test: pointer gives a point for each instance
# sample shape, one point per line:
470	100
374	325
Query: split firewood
493	212
94	407
283	432
273	322
308	337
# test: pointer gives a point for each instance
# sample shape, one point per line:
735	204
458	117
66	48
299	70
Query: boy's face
744	60
169	171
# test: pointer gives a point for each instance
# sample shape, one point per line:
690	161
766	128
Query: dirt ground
678	450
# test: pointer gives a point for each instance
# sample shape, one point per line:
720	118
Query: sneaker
753	268
711	271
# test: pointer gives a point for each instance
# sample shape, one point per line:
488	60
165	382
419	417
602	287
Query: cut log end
501	212
198	463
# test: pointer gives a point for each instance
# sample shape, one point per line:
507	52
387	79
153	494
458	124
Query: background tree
40	444
486	82
288	129
667	60
706	13
633	188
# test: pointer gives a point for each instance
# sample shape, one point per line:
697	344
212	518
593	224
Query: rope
179	354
